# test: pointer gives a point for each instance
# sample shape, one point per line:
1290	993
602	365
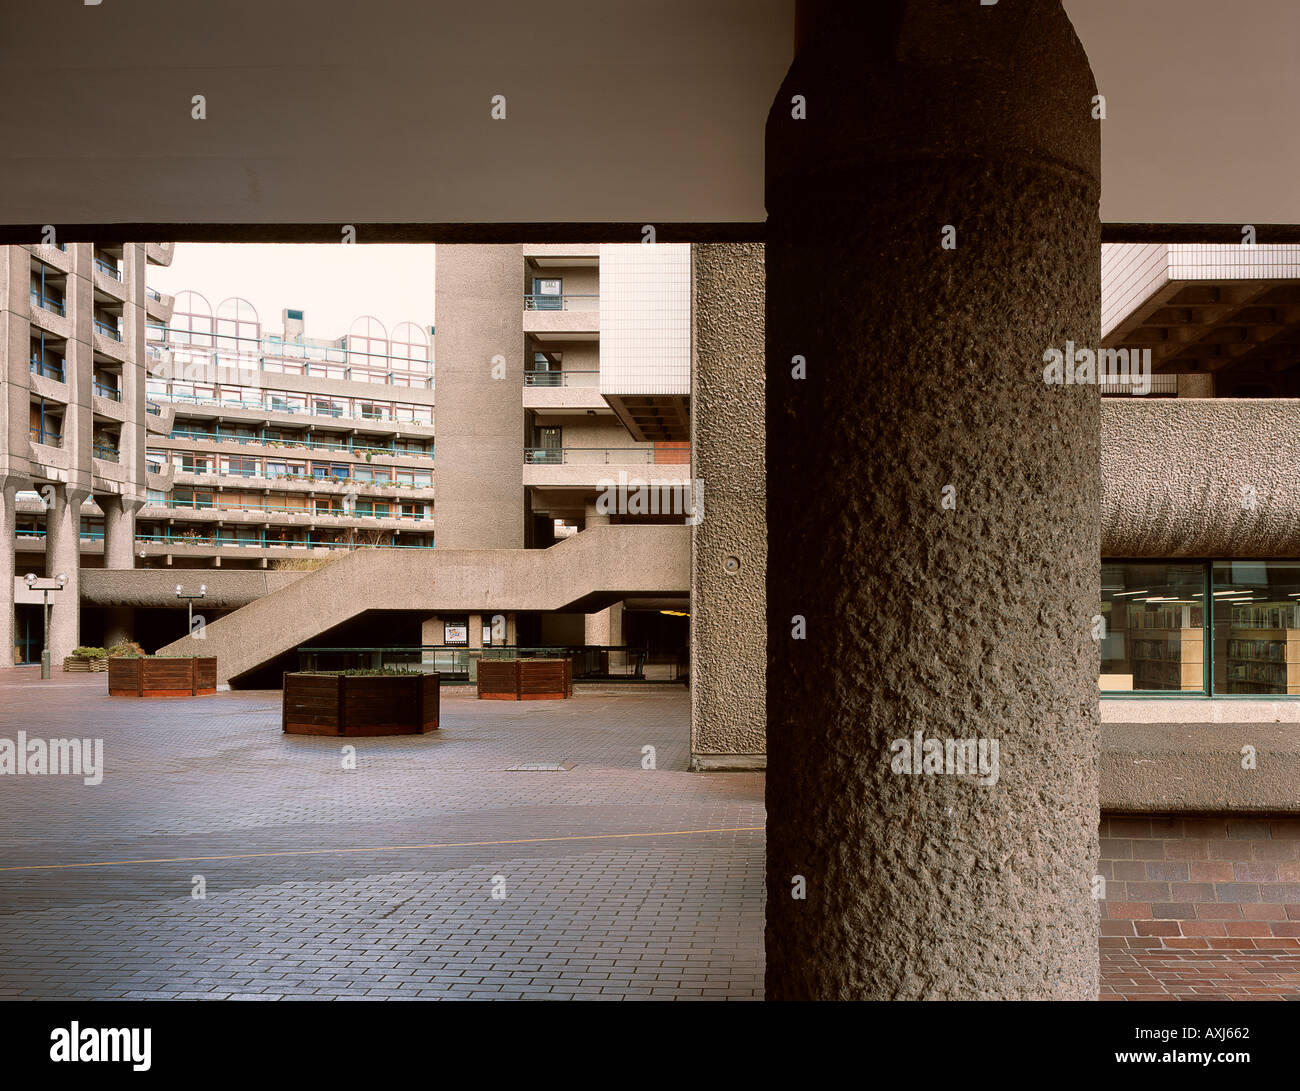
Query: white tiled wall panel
645	318
1132	273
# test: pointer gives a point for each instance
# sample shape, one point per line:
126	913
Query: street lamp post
180	594
56	584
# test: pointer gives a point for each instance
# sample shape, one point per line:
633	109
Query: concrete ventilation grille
540	767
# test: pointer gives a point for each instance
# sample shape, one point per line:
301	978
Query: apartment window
239	467
547	294
1222	628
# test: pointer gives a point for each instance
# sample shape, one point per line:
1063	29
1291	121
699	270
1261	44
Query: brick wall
1200	883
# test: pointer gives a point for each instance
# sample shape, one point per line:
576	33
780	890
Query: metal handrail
173	504
48	370
41	435
556	378
263	543
333	413
108	329
310	444
106	453
109	268
533	301
104	390
613	456
48	303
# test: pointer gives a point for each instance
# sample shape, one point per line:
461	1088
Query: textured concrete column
119	531
933	505
593	517
604	627
8	528
729	545
119	553
63	555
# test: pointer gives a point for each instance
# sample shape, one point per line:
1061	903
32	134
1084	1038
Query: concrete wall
729	547
480	418
1200	477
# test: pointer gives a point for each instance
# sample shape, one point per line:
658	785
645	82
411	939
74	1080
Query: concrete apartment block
72	450
279	446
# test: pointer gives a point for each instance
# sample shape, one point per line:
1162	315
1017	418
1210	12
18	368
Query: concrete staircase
586	572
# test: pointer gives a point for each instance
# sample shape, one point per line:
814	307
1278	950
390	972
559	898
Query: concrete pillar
604	627
591	517
63	555
729	545
933	504
8	528
119	531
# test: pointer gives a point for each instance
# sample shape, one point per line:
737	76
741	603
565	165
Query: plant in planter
86	659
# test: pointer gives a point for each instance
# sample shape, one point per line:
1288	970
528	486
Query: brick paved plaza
375	882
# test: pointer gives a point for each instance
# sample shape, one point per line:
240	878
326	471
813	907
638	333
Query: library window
1214	628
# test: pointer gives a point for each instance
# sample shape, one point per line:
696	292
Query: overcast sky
333	284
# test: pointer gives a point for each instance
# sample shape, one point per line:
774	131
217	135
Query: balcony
49	303
104	390
107	453
560	317
46	436
588	378
605	456
108	268
573	302
108	329
47	368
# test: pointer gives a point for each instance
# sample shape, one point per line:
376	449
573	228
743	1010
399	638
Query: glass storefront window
1176	627
1257	627
1154	635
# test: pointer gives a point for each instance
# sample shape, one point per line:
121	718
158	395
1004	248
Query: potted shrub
360	702
84	659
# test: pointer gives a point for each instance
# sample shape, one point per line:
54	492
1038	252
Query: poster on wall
455	633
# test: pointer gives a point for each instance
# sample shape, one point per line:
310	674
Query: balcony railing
47	368
594	456
570	377
334	410
48	303
260	470
47	436
359	509
108	329
105	390
263	541
570	302
306	444
153	293
154	408
107	453
108	267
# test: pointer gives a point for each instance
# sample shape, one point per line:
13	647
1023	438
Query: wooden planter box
525	679
76	664
164	676
339	704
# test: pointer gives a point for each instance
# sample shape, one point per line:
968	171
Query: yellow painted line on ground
381	848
